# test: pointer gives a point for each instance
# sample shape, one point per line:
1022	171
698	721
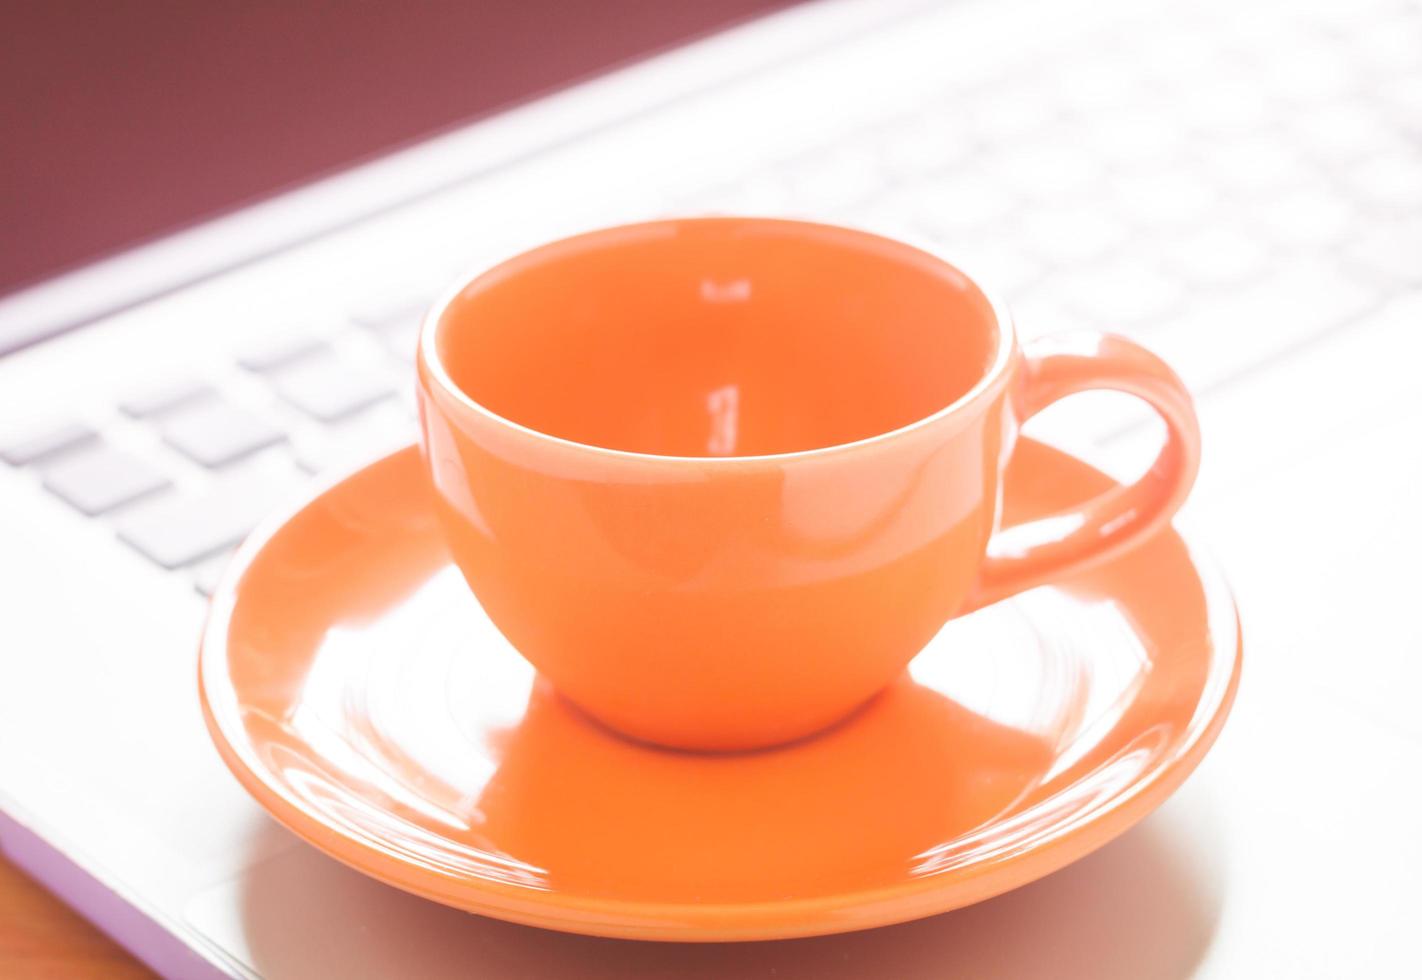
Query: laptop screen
123	122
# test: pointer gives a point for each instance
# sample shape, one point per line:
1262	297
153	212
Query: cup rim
432	372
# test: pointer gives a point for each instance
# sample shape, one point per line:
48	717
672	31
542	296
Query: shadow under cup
718	479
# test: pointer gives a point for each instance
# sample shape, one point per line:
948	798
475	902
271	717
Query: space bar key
179	530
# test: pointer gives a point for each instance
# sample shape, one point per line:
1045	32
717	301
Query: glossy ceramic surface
721	479
359	692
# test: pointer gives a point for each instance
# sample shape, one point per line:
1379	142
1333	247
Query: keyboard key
376	430
927	145
1385	49
1392	182
1257	165
386	309
1040	310
1133	138
328	390
1305	72
765	193
1221	105
280	351
180	529
957	204
29	448
1217	256
1347	19
207	574
1308	219
1123	294
1404	97
1175	52
1092	86
1340	132
1006	114
1046	171
1069	235
156	401
1000	265
833	179
1164	201
400	338
1388	253
95	481
1217	340
894	216
217	433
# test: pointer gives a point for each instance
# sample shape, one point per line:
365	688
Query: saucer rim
843	911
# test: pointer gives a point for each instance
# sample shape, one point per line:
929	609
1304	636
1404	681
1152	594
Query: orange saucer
354	686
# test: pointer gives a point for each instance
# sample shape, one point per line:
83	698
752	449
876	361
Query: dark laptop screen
123	121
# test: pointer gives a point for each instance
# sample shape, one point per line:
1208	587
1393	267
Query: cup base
713	746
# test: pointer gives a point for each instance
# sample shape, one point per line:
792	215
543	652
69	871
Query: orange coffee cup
720	479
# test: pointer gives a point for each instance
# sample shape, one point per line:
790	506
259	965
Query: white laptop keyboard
1223	186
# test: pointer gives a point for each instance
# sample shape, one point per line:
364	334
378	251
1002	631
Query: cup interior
718	337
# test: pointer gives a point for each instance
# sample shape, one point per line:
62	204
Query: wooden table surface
41	938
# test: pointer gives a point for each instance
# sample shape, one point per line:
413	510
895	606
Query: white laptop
1237	185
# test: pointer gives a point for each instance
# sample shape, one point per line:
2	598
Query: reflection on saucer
1144	906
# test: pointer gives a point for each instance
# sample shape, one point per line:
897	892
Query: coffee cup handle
1033	553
